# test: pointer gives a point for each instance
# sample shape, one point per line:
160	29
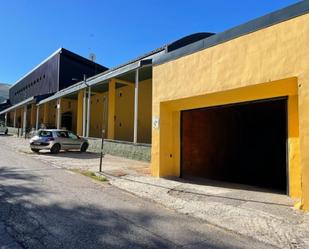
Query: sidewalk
112	165
267	217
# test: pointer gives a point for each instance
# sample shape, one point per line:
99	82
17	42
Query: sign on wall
155	122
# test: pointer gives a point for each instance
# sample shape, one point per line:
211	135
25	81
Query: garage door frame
165	160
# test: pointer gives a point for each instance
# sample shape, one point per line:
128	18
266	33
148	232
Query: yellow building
235	106
231	107
118	101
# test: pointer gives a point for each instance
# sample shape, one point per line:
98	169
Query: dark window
62	134
45	134
72	135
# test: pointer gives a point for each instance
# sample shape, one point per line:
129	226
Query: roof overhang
102	78
20	104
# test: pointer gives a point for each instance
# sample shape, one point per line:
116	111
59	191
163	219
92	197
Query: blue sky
116	31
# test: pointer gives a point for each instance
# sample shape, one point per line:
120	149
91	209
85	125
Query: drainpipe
58	113
25	121
37	117
6	119
84	113
136	105
88	111
14	121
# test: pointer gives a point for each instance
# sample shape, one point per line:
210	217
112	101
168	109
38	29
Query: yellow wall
33	116
69	105
79	121
10	118
247	68
144	111
124	112
111	109
52	118
49	114
96	117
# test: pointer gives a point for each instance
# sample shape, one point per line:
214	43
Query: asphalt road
42	206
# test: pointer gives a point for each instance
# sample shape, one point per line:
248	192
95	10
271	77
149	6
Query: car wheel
55	149
35	150
84	147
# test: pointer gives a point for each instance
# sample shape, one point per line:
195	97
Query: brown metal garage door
243	143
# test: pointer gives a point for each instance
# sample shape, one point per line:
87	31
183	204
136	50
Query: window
72	135
45	134
62	134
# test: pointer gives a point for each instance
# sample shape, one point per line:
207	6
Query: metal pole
84	113
6	119
14	118
102	155
25	121
37	117
136	105
88	111
103	131
58	113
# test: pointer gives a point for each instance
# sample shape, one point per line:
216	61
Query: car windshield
45	134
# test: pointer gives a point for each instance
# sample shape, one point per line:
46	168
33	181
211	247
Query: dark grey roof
65	52
268	20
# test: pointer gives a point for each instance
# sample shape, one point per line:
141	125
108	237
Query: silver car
56	140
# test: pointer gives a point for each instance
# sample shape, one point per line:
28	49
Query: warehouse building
234	107
229	107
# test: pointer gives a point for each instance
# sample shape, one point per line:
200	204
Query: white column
88	111
136	106
14	121
6	119
58	113
84	113
25	120
37	117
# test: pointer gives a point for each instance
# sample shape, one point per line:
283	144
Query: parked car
3	128
56	140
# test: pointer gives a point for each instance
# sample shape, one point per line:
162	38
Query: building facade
234	107
229	107
60	70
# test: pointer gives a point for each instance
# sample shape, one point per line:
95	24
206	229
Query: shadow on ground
224	184
71	154
51	224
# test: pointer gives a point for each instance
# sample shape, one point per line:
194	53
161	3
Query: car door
75	142
63	139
